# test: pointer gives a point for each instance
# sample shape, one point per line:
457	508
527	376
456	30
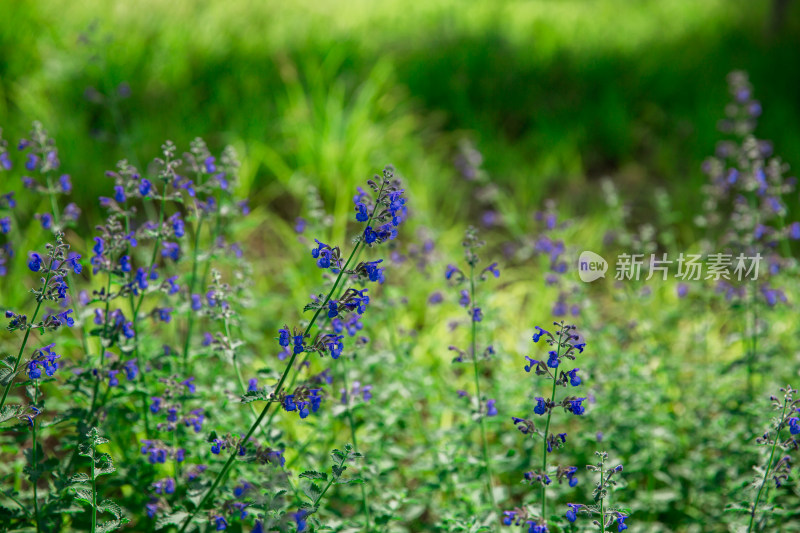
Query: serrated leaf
349	481
111	525
312	490
175	519
255	396
11	411
110	506
313	474
84	495
79	478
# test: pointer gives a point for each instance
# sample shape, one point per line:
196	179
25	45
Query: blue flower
141	278
65	183
5	225
30	163
217	445
621	525
64	318
334	345
164	314
298	344
794	425
131	369
464	300
571	471
113	380
35	264
493	269
553	359
572	513
220	523
580	346
477	314
491	410
532	363
209	164
373	272
284	337
144	187
156	405
5	161
302	408
575	406
541	406
574	378
369	235
173	287
288	403
333	309
197	302
300	519
537	336
74	263
361	212
252	385
449	271
508	517
119	194
177	225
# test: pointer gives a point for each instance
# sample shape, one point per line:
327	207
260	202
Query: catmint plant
381	214
53	268
484	407
777	468
565	346
85	486
605	516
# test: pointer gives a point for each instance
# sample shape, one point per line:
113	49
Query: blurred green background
552	94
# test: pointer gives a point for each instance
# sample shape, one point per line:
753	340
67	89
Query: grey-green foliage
85	486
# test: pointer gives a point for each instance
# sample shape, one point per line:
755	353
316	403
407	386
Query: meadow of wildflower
399	267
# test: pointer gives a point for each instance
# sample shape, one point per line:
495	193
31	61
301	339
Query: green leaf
84	495
259	395
313	474
349	481
11	411
79	478
312	491
177	518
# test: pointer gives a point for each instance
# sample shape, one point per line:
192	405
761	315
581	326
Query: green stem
70	275
278	389
25	338
135	317
94	498
546	430
474	336
602	498
766	471
192	284
352	424
34	463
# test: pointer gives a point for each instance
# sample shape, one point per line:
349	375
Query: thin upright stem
544	443
352	424
767	470
94	497
192	284
277	391
474	341
602	497
27	334
34	462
